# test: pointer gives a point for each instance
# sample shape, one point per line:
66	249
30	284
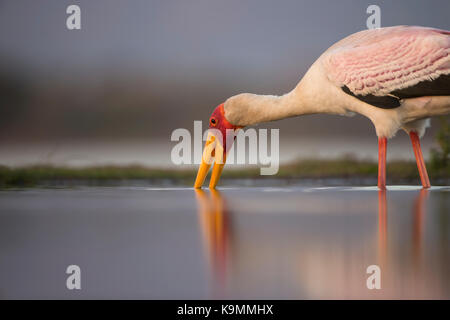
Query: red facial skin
219	122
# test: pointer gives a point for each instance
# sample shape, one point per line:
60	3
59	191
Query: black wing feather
437	87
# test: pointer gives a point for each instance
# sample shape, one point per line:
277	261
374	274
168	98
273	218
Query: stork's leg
382	144
419	159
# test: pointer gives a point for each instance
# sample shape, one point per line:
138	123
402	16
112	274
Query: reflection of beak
213	148
214	224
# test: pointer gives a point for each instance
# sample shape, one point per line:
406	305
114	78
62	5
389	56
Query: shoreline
346	171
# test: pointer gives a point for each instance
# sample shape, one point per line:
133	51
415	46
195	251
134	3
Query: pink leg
419	159
382	145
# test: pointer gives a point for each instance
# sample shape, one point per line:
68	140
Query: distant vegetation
440	157
344	168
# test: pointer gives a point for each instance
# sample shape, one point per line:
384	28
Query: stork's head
220	139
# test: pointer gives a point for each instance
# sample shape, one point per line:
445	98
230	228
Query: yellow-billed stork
398	77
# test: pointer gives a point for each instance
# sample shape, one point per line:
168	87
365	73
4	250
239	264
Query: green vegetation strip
338	168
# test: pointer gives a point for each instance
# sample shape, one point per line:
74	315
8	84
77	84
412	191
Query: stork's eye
213	121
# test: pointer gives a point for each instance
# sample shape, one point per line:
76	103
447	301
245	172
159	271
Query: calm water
286	242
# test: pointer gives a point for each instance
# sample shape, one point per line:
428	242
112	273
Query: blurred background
113	92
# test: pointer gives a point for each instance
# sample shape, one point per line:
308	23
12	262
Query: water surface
266	242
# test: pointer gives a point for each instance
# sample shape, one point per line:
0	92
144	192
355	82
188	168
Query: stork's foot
419	159
382	146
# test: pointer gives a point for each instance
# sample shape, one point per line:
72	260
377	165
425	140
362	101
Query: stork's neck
247	109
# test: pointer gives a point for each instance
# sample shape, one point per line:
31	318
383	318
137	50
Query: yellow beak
213	149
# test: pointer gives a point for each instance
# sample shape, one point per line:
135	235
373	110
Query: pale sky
259	36
197	53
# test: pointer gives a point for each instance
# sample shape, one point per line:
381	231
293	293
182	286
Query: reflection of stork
418	214
418	225
382	227
214	224
397	77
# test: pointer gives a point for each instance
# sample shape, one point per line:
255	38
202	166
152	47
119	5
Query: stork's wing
383	66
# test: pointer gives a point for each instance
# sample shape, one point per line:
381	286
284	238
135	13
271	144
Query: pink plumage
380	61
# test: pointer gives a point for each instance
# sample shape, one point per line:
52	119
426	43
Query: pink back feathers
380	61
